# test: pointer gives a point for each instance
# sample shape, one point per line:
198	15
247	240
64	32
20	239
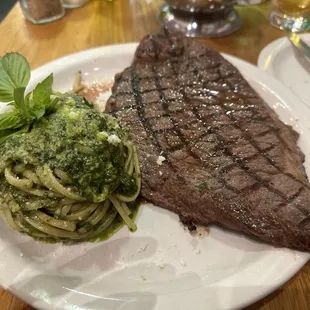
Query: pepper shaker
42	11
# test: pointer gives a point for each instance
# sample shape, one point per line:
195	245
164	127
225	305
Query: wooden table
103	23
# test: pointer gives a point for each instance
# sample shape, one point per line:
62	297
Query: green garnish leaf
11	120
202	187
6	133
37	111
43	91
14	73
17	68
19	99
50	107
14	78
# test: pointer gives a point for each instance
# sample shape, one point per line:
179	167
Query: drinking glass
250	2
293	15
201	18
71	4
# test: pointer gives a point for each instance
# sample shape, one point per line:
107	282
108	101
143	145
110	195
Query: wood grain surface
102	23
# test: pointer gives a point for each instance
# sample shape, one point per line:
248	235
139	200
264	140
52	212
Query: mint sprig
14	78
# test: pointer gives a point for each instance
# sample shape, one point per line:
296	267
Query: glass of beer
200	18
293	15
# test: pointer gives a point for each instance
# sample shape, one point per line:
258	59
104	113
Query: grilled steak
210	149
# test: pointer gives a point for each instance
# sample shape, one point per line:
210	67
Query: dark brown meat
228	158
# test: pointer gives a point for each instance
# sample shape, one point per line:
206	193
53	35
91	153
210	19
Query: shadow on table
5	6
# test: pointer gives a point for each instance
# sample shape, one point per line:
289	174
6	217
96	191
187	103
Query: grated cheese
114	139
160	160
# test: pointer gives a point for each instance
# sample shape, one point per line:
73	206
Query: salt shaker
42	11
74	3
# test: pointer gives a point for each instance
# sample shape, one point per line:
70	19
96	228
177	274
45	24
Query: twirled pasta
40	199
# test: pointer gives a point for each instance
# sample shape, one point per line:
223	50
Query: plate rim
272	49
97	51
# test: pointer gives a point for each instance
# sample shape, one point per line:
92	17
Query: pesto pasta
71	177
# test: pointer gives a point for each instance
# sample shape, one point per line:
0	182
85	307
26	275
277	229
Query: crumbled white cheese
160	173
74	115
103	133
114	139
160	160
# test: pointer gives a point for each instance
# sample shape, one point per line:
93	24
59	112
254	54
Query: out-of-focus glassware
293	15
42	11
201	18
70	4
250	2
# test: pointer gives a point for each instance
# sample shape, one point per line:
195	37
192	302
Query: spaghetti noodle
72	177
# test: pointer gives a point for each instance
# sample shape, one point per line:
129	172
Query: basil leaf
14	73
17	69
51	107
20	101
11	120
37	111
12	103
6	86
41	99
28	102
43	91
14	77
6	133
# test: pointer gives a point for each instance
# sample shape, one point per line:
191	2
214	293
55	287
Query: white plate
161	266
280	60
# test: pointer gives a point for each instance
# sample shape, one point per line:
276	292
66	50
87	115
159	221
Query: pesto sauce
117	224
74	138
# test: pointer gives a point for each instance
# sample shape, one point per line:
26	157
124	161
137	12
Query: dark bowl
201	6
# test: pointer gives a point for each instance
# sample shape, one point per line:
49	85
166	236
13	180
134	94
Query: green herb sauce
78	140
117	224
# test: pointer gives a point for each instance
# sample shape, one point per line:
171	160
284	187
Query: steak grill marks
196	102
141	112
176	129
223	144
